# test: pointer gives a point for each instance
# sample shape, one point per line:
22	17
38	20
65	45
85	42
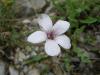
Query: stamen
50	35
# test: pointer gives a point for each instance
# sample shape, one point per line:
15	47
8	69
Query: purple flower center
51	35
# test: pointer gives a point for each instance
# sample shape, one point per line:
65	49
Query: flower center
51	35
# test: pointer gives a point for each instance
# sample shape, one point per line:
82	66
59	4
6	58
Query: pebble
12	71
34	71
2	68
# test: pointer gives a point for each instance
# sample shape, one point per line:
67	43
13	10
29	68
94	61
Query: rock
25	70
38	4
49	8
33	53
97	34
21	56
98	38
50	73
92	55
34	71
35	4
12	71
23	8
21	73
26	21
2	68
57	69
26	8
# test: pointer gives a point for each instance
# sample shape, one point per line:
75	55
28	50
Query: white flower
53	35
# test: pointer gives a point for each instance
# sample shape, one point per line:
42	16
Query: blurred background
19	57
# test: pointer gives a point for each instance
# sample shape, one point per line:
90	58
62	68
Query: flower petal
45	22
63	41
61	27
37	37
52	48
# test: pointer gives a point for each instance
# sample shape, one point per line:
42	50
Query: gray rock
36	4
2	68
26	8
98	38
25	70
34	72
12	71
50	73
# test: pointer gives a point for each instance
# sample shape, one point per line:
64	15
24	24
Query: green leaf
67	62
83	55
89	20
35	59
77	33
